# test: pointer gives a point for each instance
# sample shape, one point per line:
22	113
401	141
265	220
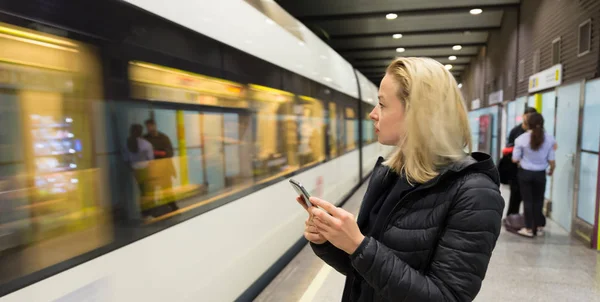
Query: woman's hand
310	230
312	234
338	227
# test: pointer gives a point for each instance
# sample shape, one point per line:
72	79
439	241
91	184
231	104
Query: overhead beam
411	52
370	71
411	39
384	66
419	32
411	47
374	69
400	13
390	58
382	72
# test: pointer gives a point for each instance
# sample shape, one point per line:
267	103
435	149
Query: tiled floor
554	267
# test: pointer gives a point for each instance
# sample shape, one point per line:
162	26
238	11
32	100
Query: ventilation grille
584	38
536	61
556	51
521	70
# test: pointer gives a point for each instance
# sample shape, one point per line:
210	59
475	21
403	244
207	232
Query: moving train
227	101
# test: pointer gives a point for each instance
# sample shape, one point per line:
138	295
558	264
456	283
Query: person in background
163	151
514	203
519	129
432	213
139	155
534	152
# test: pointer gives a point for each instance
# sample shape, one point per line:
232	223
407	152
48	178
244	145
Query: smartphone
301	192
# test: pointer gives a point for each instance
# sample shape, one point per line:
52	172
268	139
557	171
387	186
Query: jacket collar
476	162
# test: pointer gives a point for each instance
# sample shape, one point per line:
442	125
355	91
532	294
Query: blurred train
228	101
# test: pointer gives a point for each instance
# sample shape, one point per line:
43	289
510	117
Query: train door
214	133
49	168
566	137
237	148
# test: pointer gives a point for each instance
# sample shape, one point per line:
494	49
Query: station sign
545	79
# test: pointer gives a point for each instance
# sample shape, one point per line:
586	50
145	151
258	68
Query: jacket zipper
389	216
401	202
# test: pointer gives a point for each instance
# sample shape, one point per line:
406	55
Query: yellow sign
546	79
158	83
31	78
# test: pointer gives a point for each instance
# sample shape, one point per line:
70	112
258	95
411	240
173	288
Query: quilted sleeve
333	256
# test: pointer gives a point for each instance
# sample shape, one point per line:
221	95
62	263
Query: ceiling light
457	47
269	21
452	58
328	79
400	49
476	11
448	66
324	57
397	36
391	16
459	85
301	43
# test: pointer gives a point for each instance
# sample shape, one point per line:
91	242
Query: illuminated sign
548	78
31	78
157	83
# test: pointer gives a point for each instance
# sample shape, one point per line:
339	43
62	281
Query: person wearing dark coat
163	152
514	203
432	212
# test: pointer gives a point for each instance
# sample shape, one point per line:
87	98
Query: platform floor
555	267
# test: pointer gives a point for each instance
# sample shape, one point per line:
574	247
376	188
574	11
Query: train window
311	146
333	131
276	140
343	126
351	129
367	124
52	182
200	154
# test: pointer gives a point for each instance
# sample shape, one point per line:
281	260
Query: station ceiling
369	33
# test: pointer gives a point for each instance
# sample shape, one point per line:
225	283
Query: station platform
555	267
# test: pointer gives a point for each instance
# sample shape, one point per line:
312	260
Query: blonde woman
431	215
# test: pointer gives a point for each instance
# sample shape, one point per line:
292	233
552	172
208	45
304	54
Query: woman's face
388	115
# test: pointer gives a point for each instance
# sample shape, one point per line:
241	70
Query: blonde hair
435	131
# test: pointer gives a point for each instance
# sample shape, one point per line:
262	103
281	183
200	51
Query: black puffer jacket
436	243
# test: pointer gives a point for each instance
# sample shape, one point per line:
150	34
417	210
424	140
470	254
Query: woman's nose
373	115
